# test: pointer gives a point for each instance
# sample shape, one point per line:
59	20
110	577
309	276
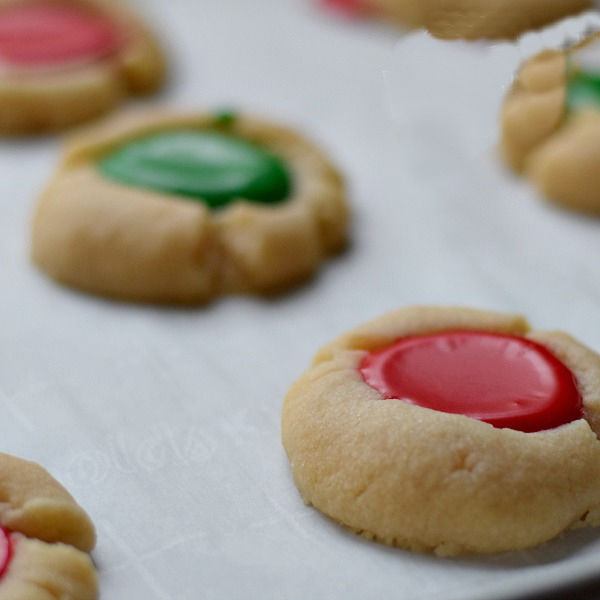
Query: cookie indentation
42	35
208	166
583	80
506	381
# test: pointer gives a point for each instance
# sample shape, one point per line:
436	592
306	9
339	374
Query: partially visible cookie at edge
467	19
45	537
65	62
550	125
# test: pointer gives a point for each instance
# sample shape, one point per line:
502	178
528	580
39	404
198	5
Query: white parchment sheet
164	423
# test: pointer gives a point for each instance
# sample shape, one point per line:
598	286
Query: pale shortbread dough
474	19
126	242
40	100
40	571
50	534
560	152
431	481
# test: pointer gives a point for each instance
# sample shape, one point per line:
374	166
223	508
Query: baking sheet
164	423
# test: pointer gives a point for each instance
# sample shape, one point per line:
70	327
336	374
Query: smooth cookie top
203	165
46	35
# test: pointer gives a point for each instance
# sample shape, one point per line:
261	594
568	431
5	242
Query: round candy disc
38	35
504	380
6	551
204	165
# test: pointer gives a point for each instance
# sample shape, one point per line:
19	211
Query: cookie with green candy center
182	208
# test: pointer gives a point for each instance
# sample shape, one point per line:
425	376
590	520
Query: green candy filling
583	90
206	166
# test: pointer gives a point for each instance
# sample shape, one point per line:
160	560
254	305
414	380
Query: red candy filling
349	7
504	380
6	551
34	35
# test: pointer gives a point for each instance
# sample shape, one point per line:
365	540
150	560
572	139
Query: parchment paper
164	423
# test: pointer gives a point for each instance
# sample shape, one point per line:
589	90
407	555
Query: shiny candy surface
208	166
503	380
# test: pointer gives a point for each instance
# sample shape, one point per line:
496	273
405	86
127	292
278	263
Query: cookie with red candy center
63	62
45	537
449	430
